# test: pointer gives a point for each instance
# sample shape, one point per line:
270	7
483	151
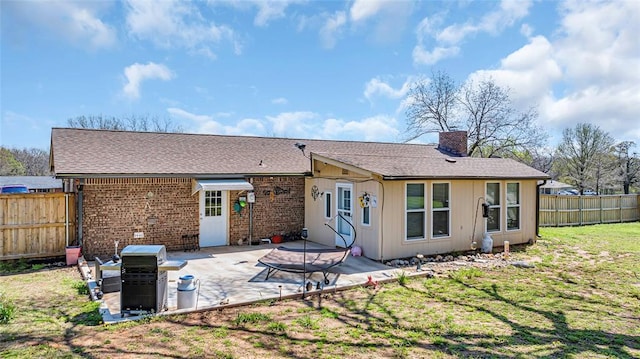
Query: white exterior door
344	210
213	218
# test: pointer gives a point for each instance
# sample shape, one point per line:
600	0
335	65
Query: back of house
402	199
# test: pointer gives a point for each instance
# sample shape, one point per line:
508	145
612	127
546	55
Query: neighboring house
34	183
553	187
415	198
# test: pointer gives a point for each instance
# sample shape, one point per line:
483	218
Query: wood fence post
620	205
557	215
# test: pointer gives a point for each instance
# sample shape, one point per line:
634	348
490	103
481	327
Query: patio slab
231	275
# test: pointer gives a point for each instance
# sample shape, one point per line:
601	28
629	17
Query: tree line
35	161
587	156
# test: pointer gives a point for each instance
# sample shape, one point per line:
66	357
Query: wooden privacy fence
558	210
36	225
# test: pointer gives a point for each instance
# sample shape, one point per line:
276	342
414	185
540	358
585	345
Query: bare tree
432	105
540	158
494	127
34	160
582	153
129	123
628	164
485	111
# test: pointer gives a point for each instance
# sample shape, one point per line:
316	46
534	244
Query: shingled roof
411	166
97	153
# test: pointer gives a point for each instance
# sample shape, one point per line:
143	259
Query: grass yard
582	300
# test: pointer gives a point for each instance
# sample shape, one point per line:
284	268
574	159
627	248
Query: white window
327	205
493	199
513	206
212	203
344	208
440	211
366	215
415	211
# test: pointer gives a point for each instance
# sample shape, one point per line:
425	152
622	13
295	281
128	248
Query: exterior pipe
80	215
250	223
66	218
538	207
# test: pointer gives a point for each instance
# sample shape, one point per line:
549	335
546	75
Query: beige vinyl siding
385	237
464	201
367	236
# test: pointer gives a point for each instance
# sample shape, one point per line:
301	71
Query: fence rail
558	210
36	225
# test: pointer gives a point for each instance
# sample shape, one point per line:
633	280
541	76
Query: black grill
144	287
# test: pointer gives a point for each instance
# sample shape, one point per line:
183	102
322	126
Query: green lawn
582	300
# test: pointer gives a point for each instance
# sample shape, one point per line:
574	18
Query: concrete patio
231	275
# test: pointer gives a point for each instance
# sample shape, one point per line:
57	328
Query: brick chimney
453	142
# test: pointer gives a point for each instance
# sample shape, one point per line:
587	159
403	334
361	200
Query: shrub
7	310
403	278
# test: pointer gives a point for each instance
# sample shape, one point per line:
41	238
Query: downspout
538	206
250	216
80	214
66	218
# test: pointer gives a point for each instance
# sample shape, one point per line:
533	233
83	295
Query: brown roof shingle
409	166
89	153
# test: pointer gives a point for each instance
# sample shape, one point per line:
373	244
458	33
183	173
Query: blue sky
310	69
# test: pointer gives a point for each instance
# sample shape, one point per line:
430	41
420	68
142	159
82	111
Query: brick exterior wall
164	209
454	142
279	209
113	209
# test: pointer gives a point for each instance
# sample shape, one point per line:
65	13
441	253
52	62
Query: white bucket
487	243
187	295
186	282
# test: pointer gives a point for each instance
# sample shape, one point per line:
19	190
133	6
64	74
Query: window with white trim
440	211
513	206
415	211
213	203
366	215
492	197
327	205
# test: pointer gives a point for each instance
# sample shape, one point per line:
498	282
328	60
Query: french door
344	210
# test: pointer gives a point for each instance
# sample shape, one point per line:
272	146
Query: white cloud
177	24
389	18
378	87
422	56
12	119
363	9
526	30
331	29
293	124
529	71
269	10
279	101
585	74
77	22
209	125
301	124
449	38
137	73
376	128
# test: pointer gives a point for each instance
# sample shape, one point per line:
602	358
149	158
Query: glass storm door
213	218
344	205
